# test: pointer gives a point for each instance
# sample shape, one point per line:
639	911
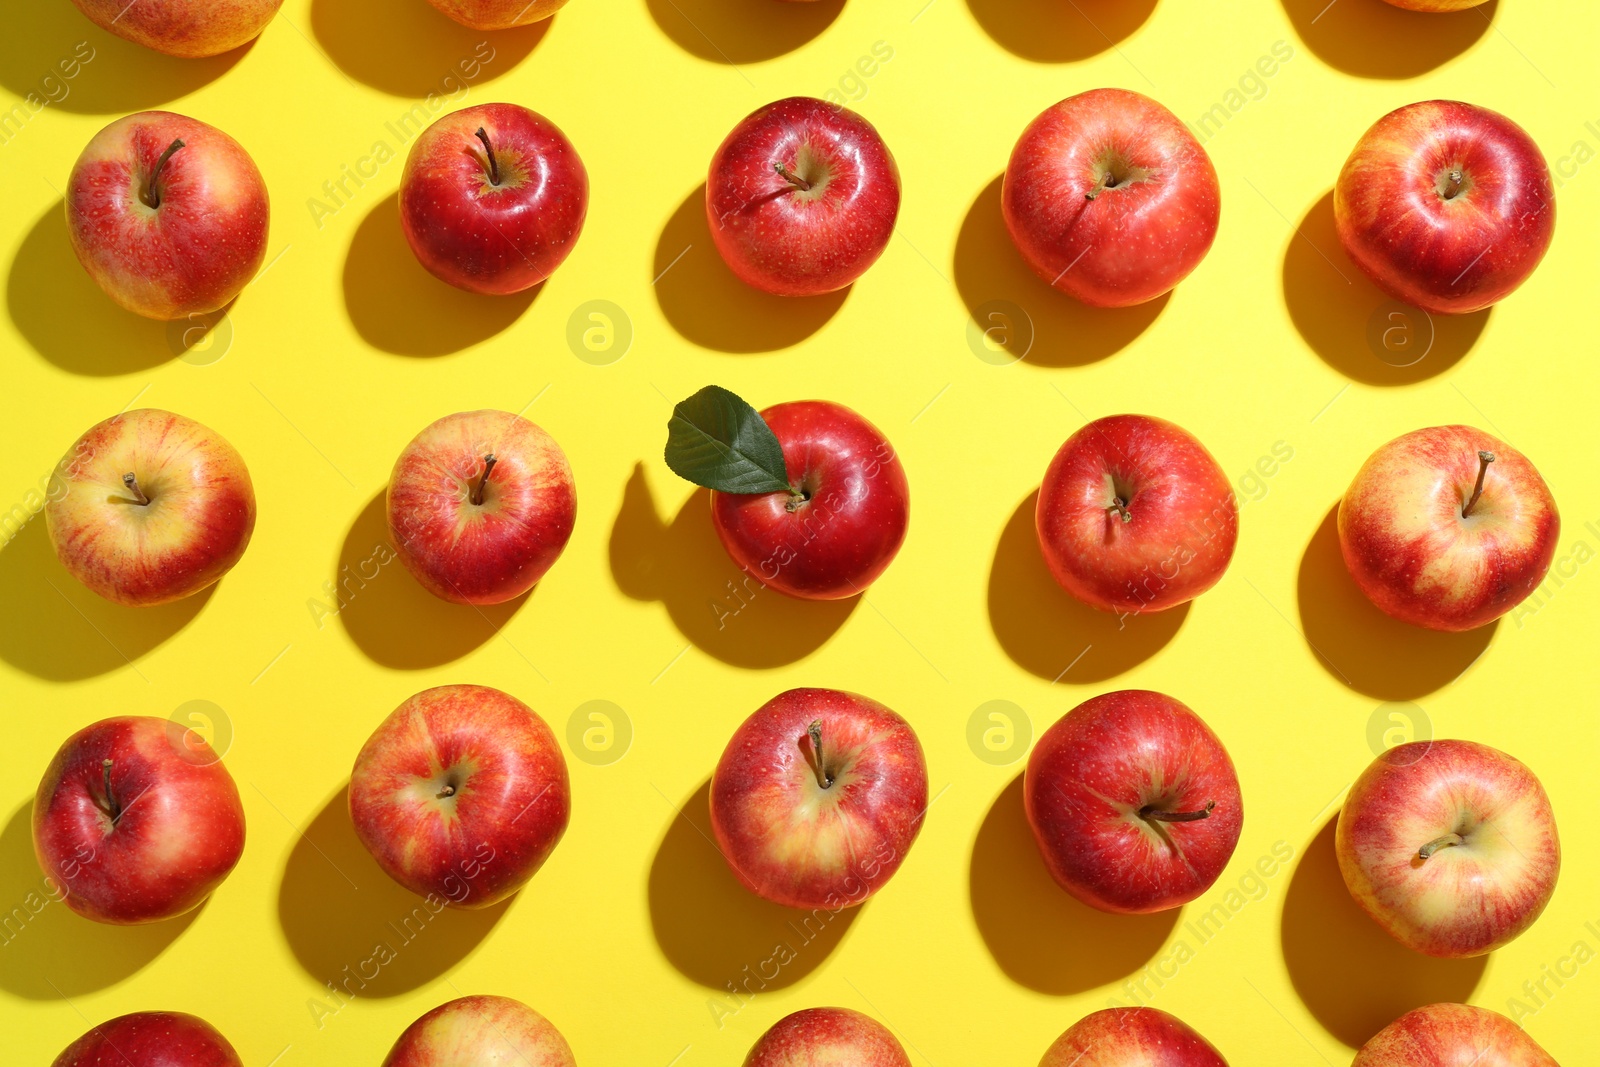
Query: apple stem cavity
1121	508
1426	851
494	168
814	731
133	487
1107	181
792	178
1153	814
151	193
477	491
1453	180
113	809
1484	459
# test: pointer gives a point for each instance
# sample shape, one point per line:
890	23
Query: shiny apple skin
1408	548
481	1031
498	14
487	238
1132	241
1184	519
1131	1037
194	252
485	553
510	802
797	844
1467	899
1436	7
1103	762
151	1039
850	526
797	242
188	29
179	832
1452	1035
827	1036
1448	256
197	525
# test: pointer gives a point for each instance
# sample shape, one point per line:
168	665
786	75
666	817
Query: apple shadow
1352	976
397	306
49	951
714	930
69	632
1354	326
1048	31
683	565
1058	330
1041	936
1360	645
1372	39
741	31
347	921
708	304
1049	632
390	616
409	48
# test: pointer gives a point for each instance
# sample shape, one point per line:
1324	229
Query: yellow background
344	349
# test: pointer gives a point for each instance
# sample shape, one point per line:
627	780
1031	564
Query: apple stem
1453	186
1155	814
151	193
814	731
494	168
791	177
1121	508
1426	851
133	487
1484	459
488	465
113	809
1107	181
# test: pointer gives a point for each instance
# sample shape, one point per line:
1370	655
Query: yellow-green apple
1448	528
1110	199
498	14
189	29
480	505
818	797
1450	846
1131	1037
1452	1035
137	820
167	214
1445	206
802	197
493	198
461	793
151	1039
1133	802
808	497
1134	515
149	507
827	1036
481	1031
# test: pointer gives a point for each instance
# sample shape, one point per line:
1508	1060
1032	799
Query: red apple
481	1031
1110	199
1450	846
1133	801
498	14
827	1036
1452	1035
151	1039
1132	1037
168	215
480	506
149	507
461	793
187	28
493	198
818	797
137	820
802	197
1436	6
1134	515
1445	206
1448	528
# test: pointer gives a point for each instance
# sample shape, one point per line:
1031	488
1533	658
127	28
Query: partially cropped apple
1448	528
190	29
818	797
167	214
137	820
480	506
498	14
1450	846
826	1036
151	1039
481	1031
1436	6
461	794
149	507
1131	1037
1452	1035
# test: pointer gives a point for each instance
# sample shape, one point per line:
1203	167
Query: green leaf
716	440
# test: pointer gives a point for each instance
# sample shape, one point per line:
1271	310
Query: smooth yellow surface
344	349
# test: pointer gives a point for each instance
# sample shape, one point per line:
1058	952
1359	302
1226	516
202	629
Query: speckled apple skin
827	1037
481	1031
1131	1037
151	1039
1452	1035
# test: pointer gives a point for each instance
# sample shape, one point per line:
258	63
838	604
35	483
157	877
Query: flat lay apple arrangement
462	791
